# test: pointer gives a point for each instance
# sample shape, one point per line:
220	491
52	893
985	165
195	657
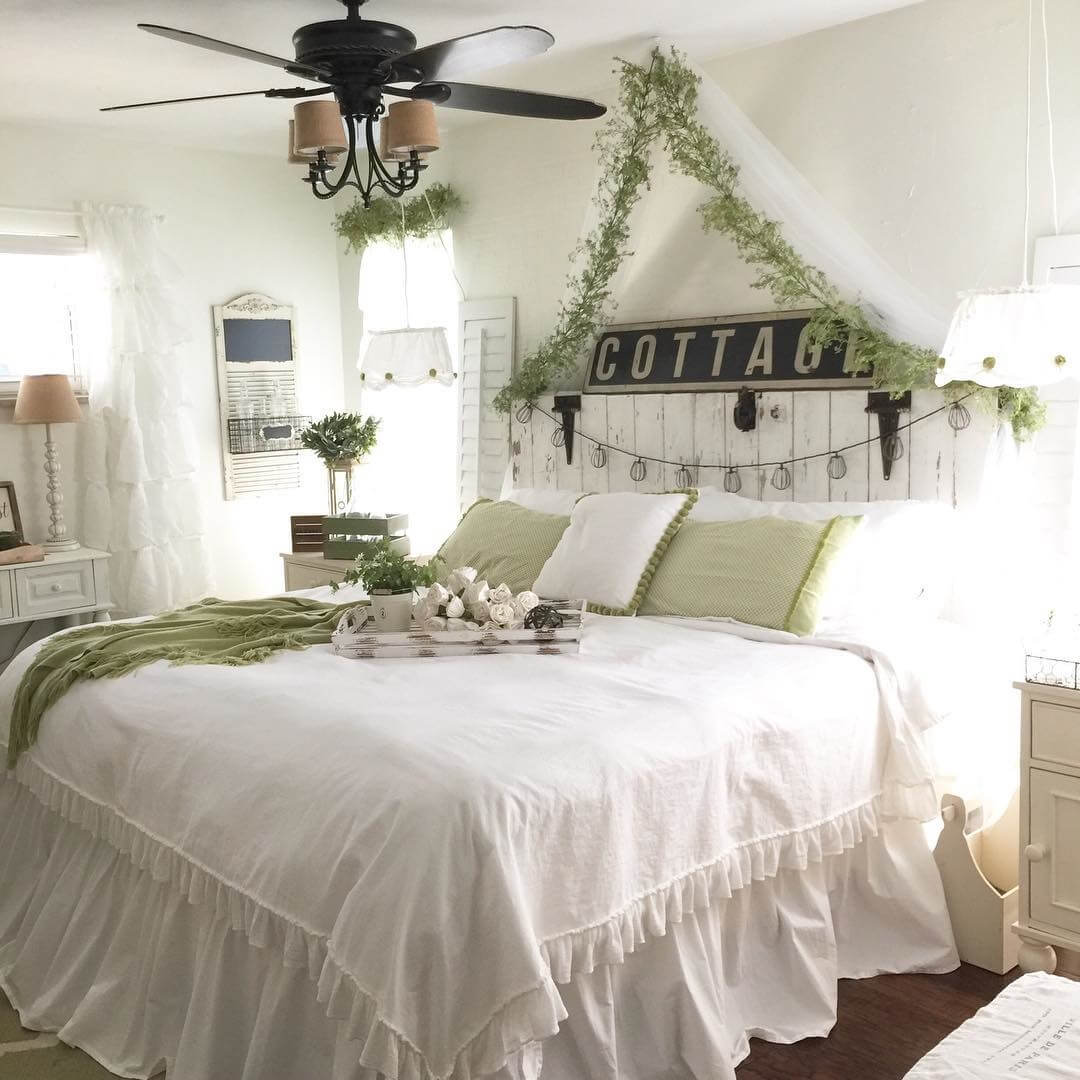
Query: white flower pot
392	611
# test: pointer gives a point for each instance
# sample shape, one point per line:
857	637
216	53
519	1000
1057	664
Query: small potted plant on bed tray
342	441
390	579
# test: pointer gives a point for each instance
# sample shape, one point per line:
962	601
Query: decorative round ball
389	376
598	457
837	467
638	470
431	372
989	362
1059	360
732	481
941	362
543	617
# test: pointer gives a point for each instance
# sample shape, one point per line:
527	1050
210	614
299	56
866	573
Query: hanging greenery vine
660	101
425	214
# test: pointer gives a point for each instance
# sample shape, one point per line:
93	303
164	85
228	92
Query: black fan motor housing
353	49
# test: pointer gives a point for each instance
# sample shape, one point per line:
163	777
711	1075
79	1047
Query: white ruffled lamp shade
407	357
1028	336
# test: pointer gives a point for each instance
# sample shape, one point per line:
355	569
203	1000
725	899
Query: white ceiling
60	60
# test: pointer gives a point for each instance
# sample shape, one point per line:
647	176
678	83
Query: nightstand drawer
7	606
40	590
1055	733
298	576
1053	854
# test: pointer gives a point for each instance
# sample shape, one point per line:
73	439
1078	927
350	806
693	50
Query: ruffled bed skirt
124	965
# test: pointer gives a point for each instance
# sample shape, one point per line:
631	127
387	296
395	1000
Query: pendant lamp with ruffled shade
1024	336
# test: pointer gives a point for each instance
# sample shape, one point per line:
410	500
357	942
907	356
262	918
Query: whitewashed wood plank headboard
937	464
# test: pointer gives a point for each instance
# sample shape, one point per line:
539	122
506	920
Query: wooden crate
307	532
345	536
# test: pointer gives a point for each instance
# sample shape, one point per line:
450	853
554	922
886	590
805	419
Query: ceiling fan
358	61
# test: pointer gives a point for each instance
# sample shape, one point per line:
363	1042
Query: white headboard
938	463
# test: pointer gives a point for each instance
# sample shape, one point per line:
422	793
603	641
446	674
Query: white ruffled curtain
139	457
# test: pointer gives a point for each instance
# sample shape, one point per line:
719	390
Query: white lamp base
53	546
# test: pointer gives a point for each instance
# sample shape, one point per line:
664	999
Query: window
413	467
45	302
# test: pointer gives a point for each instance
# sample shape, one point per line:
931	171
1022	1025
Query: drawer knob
1036	852
56	586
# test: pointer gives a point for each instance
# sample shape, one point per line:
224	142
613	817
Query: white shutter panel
486	349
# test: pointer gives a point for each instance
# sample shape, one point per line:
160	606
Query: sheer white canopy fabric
810	224
138	455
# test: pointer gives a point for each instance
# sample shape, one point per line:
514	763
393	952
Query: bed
620	864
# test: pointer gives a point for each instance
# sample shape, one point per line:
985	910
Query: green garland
661	101
425	214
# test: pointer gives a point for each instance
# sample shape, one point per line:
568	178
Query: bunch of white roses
464	603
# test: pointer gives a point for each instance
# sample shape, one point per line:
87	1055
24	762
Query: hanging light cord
405	265
759	464
1049	131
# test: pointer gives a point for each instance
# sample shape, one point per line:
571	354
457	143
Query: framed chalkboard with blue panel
255	342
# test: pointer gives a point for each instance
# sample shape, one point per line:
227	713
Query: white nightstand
1049	825
69	586
308	570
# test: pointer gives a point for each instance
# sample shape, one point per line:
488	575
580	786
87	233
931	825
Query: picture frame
10	521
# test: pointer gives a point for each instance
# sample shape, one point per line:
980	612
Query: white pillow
902	560
546	500
611	549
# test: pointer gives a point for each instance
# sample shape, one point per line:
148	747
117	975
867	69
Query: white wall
233	224
910	123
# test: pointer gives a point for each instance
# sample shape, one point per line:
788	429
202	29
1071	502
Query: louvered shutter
486	349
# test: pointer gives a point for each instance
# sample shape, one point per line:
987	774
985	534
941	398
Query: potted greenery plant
341	440
390	579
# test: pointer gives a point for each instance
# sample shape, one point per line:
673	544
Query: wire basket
265	434
1052	671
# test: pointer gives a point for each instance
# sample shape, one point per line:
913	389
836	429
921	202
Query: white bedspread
444	842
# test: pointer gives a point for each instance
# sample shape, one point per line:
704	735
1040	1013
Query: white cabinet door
1054	882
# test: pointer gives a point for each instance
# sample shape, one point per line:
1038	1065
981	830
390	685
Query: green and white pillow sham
766	571
504	541
612	548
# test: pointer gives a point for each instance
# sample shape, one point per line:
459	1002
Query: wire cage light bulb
732	481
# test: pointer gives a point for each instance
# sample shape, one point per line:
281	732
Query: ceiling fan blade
305	71
473	52
500	99
288	92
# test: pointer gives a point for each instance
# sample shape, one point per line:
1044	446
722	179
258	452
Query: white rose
435	623
501	595
456	624
424	609
480	611
502	614
455	608
527	600
438	594
472	625
460	579
475	592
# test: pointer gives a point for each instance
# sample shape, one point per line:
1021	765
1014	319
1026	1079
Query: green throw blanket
209	632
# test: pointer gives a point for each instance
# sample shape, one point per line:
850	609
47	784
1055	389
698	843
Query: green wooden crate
344	536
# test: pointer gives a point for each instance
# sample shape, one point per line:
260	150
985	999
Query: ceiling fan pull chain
405	265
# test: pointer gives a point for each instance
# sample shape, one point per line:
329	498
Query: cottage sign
762	352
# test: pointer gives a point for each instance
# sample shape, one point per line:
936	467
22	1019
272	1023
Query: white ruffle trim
532	1015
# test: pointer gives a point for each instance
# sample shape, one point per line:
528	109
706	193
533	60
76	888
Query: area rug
33	1055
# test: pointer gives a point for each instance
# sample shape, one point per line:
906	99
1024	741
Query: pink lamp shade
46	399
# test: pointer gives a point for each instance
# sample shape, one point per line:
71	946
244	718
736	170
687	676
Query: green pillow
504	541
767	571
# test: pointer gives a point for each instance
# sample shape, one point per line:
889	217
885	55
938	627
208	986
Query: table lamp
48	400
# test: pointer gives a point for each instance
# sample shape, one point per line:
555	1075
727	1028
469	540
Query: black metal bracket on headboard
888	409
566	405
745	412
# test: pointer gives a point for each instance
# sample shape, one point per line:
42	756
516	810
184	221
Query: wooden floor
884	1025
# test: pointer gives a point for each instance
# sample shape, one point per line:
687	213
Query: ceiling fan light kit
360	60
